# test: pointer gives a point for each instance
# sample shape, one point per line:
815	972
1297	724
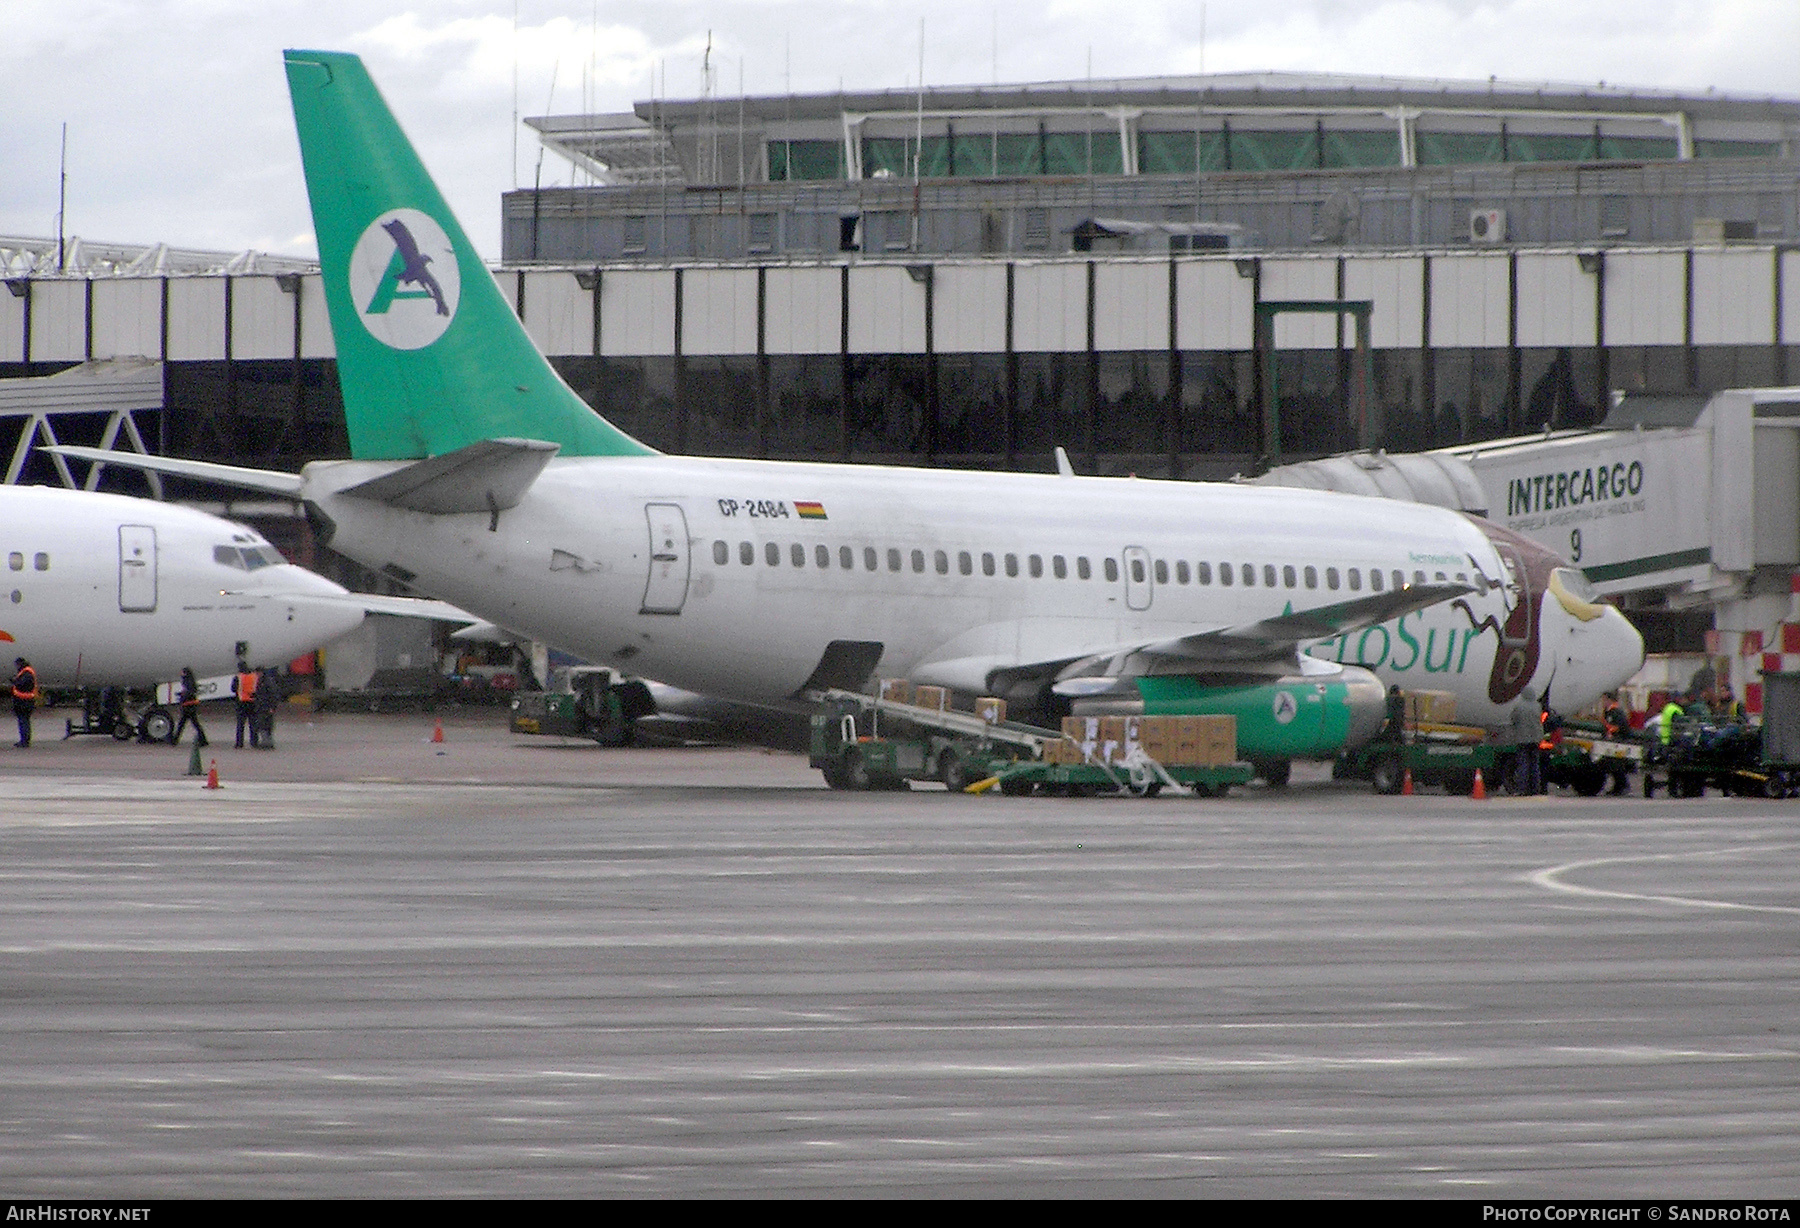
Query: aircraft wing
1279	636
1268	646
269	481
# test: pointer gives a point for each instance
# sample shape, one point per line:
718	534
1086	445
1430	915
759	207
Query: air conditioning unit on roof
1487	225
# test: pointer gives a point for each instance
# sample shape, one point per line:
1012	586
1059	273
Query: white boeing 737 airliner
480	477
102	589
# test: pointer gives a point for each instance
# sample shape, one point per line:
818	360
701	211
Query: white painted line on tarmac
1550	879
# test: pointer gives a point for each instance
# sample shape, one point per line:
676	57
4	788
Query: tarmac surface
372	965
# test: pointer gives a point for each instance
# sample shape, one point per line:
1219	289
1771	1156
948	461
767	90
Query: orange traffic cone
1479	792
1406	789
212	776
437	730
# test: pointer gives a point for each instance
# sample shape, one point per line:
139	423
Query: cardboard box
991	709
897	690
932	697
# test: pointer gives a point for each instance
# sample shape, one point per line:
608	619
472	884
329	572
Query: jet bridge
1673	504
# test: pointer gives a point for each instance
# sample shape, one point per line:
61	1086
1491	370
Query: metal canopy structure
116	387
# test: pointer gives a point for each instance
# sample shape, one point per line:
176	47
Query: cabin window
721	553
1036	563
1226	574
893	558
1137	571
965	562
1461	577
869	558
822	557
1356	579
1312	577
987	564
1287	576
1203	573
1059	567
1162	572
1249	575
772	553
41	561
1375	578
1268	575
1331	578
1012	565
1399	579
1418	577
17	561
1082	569
746	553
846	558
1181	571
918	562
1441	578
1112	570
797	553
942	561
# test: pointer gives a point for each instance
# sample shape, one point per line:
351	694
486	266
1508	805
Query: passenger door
666	589
137	569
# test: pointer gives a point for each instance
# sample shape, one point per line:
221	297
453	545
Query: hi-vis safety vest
24	684
246	687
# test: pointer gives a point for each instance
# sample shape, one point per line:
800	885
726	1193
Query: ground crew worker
1524	731
189	698
1729	707
268	694
244	687
1665	721
25	693
1618	724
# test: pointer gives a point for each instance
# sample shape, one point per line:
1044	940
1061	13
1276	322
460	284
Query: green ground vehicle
1449	764
585	702
861	742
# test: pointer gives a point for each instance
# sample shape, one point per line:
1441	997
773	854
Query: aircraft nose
1625	644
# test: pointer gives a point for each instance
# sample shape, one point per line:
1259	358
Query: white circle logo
1285	707
404	280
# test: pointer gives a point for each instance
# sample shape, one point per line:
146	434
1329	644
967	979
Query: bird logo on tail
404	279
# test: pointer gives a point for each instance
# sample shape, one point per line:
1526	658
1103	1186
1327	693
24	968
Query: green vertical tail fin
430	355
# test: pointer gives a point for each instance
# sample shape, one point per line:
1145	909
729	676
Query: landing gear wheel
1386	774
156	725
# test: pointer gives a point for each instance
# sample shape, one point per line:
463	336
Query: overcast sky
179	128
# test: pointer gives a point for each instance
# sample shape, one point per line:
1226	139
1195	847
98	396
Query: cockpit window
1576	584
247	558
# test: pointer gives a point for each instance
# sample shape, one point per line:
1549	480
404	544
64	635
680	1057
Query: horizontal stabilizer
269	481
489	476
368	603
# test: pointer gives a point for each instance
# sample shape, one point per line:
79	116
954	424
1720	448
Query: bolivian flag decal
810	511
